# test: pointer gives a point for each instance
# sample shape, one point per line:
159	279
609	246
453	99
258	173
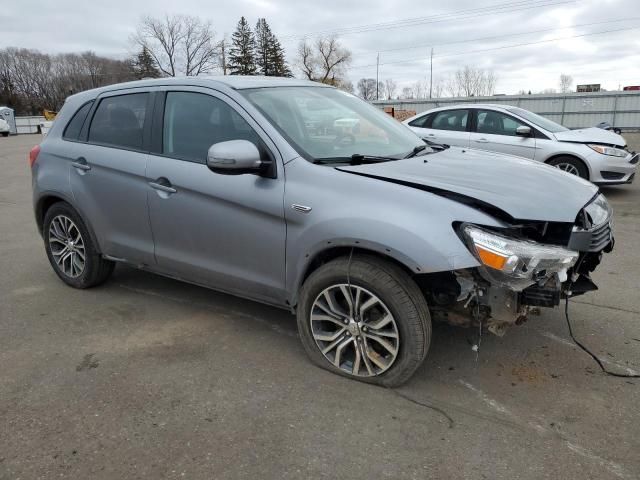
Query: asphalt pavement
147	377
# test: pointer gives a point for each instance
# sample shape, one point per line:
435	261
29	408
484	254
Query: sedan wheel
67	246
354	330
571	165
569	168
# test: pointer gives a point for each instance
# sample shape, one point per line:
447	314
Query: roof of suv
236	82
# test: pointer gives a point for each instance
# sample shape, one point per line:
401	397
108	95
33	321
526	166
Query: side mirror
523	131
234	156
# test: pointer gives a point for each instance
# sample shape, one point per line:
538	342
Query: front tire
571	165
5	134
70	248
366	320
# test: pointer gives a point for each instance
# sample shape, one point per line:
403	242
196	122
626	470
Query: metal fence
573	110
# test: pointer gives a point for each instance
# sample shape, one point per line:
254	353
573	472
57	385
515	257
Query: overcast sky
611	58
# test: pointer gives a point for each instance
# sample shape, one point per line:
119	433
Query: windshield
326	123
545	123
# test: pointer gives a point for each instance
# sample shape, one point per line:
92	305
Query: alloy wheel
354	330
67	246
569	168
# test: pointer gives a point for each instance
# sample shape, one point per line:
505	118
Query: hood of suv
591	135
523	189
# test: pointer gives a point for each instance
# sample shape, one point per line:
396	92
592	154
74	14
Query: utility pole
377	82
224	57
431	73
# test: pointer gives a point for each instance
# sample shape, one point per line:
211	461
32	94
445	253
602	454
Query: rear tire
383	341
571	165
5	134
70	248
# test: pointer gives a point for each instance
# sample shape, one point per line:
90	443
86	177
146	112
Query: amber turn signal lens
491	259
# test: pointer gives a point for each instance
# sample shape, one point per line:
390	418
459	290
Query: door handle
81	164
482	140
163	187
431	135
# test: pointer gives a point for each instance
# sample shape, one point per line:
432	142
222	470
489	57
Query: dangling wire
579	344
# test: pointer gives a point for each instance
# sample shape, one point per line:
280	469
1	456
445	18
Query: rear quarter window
73	128
421	122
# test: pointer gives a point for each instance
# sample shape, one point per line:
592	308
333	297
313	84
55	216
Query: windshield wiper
416	151
355	159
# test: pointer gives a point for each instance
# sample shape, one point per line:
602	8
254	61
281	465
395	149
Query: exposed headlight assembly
517	263
604	150
598	211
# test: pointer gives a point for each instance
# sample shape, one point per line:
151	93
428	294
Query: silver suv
595	154
302	196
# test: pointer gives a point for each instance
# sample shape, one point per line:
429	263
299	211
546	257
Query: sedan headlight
614	152
514	262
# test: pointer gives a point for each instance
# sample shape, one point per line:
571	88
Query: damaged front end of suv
523	267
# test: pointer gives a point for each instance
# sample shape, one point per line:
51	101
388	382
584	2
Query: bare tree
324	60
367	88
390	88
437	89
420	89
407	93
31	81
472	82
179	44
566	81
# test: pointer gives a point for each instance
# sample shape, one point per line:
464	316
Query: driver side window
195	121
497	123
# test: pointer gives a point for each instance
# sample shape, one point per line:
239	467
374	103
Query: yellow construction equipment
49	115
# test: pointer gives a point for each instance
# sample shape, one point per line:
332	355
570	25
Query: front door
496	132
224	231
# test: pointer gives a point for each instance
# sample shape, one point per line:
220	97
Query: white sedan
591	153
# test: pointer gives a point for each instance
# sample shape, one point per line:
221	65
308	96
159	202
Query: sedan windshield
544	123
326	124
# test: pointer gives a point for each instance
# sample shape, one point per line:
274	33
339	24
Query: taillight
33	155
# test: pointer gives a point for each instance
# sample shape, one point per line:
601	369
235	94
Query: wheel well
550	159
44	204
430	284
329	254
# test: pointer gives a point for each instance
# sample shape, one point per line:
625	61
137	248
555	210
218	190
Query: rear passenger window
118	121
195	121
451	120
72	132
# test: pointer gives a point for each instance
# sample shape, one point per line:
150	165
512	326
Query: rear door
496	131
450	127
107	173
221	230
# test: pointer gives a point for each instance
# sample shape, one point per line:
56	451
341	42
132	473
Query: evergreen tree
144	66
269	53
242	59
277	59
263	47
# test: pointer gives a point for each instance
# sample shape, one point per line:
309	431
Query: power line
500	48
494	37
508	7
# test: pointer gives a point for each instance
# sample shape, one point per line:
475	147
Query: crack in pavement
619	309
614	468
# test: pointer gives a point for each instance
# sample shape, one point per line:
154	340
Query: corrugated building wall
573	110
